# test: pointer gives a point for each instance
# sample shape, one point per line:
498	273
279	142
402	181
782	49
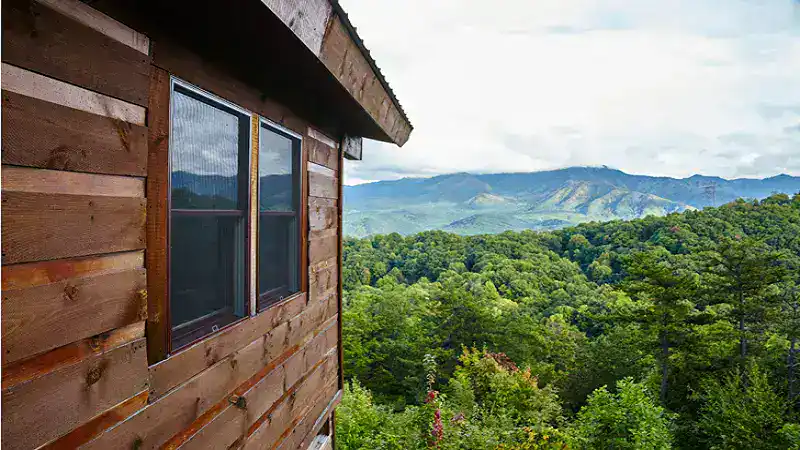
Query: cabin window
208	220
279	192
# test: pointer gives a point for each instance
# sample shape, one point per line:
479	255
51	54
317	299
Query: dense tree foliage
663	332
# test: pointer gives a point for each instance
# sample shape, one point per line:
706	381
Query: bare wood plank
98	21
320	185
277	422
305	428
43	40
193	360
322	248
39	133
322	214
38	411
157	214
160	420
19	276
99	424
50	226
308	19
41	365
345	61
318	168
31	84
24	179
182	406
352	147
41	318
321	153
255	129
250	403
321	138
323	281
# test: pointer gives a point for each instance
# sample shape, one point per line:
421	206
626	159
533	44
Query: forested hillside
466	203
662	332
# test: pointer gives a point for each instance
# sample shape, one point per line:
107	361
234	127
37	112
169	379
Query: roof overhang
304	54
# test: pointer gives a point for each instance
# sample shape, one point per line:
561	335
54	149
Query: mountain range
467	203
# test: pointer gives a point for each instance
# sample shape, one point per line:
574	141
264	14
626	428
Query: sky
654	87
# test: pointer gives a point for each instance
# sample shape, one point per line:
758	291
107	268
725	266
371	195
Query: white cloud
643	85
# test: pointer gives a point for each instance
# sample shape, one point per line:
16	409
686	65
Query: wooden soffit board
321	26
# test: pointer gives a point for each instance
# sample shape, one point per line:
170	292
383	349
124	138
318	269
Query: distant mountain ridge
489	203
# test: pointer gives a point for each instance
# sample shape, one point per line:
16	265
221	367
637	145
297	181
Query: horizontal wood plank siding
177	410
99	424
321	185
68	355
321	153
64	226
41	318
50	406
40	39
92	18
322	213
24	179
32	84
38	133
322	248
20	276
193	360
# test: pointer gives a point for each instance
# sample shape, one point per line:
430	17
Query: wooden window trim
158	326
264	300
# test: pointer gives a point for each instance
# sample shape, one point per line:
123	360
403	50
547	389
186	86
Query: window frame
158	196
201	95
299	185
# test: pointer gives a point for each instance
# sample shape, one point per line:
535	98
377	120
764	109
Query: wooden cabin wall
85	135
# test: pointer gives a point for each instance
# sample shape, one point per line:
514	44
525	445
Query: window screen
209	165
278	218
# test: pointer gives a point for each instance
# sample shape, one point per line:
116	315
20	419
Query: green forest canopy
662	332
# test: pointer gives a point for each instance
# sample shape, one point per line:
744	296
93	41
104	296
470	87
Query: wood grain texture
323	248
305	428
320	185
189	362
308	19
323	282
98	21
181	407
276	424
322	213
25	179
93	428
29	369
19	276
38	133
321	153
157	216
51	226
49	406
43	40
250	403
31	84
42	318
344	60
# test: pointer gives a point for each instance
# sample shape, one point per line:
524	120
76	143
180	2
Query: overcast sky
660	87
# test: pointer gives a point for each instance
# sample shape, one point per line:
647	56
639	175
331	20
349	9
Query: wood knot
238	401
70	292
95	373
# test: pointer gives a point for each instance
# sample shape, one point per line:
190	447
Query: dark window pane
278	243
276	169
207	278
205	155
